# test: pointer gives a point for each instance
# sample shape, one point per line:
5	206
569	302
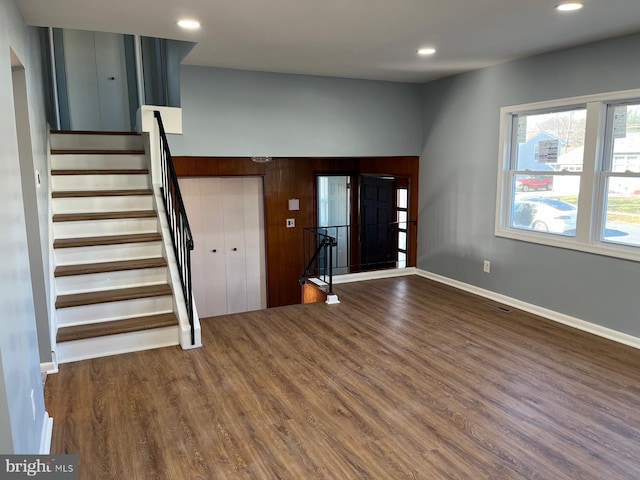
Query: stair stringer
179	307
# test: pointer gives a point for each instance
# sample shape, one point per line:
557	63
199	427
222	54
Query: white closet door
96	80
82	81
190	189
254	243
226	216
235	253
112	82
215	280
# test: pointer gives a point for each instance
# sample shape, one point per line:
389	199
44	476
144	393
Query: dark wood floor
405	378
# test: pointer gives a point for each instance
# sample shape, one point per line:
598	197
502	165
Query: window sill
558	241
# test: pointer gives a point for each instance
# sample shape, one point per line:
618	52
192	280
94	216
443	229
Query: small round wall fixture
261	159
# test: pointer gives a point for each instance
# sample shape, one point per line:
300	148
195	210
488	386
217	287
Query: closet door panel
214	238
235	249
190	189
254	243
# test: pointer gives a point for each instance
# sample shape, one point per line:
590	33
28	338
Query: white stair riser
117	344
95	142
107	253
96	228
104	312
94	162
62	183
102	204
94	282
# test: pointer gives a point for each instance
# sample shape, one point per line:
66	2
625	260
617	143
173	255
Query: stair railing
348	256
323	253
178	222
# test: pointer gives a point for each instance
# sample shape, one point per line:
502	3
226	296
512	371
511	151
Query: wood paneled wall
286	178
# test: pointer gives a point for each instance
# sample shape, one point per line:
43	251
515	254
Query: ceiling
368	39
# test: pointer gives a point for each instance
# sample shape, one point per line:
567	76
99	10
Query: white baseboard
47	434
583	325
373	275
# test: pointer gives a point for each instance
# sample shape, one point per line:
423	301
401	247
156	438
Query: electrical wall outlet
291	222
487	266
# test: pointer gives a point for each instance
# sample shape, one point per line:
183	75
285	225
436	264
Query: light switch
291	222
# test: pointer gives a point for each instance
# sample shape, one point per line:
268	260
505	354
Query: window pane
402	198
402	240
546	211
402	260
550	141
622	211
402	217
625	130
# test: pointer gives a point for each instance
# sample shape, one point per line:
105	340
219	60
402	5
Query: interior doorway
368	215
334	217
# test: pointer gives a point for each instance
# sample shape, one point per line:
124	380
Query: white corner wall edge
172	122
171	118
176	282
552	315
46	436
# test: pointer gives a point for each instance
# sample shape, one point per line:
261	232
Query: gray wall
240	113
20	361
458	175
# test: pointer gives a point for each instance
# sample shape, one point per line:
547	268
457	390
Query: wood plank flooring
406	378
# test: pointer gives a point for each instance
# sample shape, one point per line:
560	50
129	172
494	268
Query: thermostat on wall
294	204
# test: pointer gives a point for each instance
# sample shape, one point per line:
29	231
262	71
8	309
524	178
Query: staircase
111	274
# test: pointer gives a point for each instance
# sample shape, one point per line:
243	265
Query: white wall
458	175
20	359
240	113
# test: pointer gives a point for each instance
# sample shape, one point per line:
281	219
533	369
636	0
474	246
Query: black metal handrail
325	244
348	257
178	222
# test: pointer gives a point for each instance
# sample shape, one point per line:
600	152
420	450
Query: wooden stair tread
92	132
103	267
101	193
114	295
102	171
85	151
106	240
77	217
114	327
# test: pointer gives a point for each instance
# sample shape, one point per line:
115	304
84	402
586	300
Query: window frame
592	193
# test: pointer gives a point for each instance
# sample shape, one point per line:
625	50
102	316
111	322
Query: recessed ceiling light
426	51
189	24
569	6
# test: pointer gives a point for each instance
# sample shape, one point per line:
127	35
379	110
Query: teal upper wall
240	113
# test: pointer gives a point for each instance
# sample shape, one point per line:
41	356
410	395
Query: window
402	216
621	176
569	174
